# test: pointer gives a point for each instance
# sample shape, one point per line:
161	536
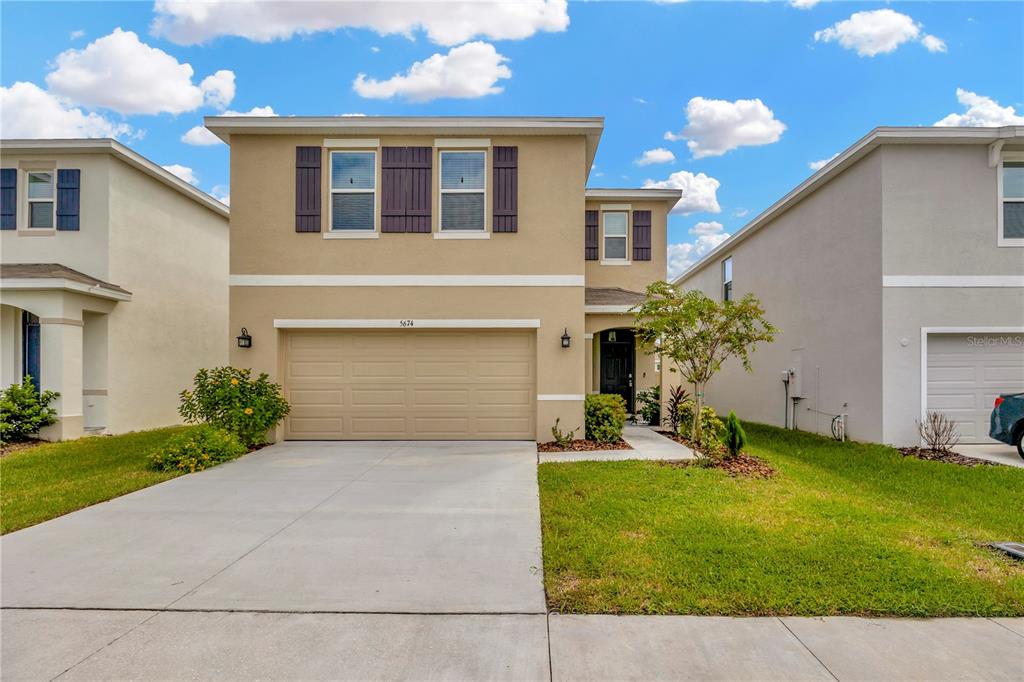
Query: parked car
1007	422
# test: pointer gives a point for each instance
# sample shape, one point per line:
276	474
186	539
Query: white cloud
446	23
803	4
183	172
200	136
26	110
707	227
220	193
658	155
716	126
467	71
981	111
121	73
821	163
682	256
640	100
374	49
75	35
876	32
351	115
740	212
699	192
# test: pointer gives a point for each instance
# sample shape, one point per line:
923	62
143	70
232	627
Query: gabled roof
611	296
591	127
996	138
129	156
56	276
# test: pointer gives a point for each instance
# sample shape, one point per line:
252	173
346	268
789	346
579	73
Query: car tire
1020	442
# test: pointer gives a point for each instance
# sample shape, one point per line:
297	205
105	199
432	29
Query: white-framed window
353	191
727	279
41	205
1011	200
463	179
616	226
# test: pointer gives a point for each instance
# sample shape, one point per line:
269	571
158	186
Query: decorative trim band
406	280
59	283
569	397
965	281
407	324
361	234
607	308
462	235
62	320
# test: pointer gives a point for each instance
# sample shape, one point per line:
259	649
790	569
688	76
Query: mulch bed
740	465
9	448
948	457
582	445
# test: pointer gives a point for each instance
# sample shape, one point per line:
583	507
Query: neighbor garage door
410	385
965	374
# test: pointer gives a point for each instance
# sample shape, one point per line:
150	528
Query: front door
618	352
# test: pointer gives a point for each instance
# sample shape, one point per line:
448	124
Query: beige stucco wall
817	269
172	254
559	371
10	345
637	274
84	250
550	218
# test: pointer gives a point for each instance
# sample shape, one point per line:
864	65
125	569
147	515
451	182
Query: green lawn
843	528
52	479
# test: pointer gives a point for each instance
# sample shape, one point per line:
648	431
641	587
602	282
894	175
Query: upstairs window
353	191
616	224
462	191
40	199
727	279
1011	230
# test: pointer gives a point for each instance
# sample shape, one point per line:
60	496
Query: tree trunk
698	405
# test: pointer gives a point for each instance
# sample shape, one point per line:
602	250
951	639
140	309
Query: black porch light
566	339
244	340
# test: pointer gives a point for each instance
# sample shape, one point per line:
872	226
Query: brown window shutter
392	192
591	249
405	189
307	189
8	198
506	189
69	183
641	235
419	197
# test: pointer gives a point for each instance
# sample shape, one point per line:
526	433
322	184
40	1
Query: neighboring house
896	274
113	282
435	278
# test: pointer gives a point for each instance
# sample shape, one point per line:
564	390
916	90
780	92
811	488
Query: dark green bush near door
24	410
604	415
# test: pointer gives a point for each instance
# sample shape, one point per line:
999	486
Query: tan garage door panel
404	384
965	374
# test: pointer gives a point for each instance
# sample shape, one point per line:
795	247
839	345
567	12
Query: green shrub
710	424
677	397
735	437
197	449
649	402
230	399
23	411
604	415
563	439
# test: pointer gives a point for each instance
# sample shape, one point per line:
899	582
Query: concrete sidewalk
645	441
992	452
40	644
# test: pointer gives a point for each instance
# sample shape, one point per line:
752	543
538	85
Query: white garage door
965	374
410	385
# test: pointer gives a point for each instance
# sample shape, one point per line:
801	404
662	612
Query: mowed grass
53	479
843	528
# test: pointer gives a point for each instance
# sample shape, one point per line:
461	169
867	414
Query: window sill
468	234
616	261
37	231
354	234
1011	242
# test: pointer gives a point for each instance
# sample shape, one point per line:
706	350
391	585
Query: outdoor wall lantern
566	339
244	340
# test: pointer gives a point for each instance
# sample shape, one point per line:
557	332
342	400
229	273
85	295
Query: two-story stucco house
436	278
113	282
896	274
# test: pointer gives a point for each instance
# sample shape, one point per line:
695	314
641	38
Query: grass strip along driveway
52	479
842	528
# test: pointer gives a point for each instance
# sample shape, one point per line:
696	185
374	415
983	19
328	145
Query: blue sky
752	92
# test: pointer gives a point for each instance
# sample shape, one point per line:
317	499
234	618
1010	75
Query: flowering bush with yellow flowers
197	449
230	399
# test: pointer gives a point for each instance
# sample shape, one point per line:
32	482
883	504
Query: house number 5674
405	323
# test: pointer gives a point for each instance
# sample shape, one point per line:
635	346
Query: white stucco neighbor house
113	282
896	274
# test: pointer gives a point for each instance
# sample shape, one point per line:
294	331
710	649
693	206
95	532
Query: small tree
698	334
735	437
939	432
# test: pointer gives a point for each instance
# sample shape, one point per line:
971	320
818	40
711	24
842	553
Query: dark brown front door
618	352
